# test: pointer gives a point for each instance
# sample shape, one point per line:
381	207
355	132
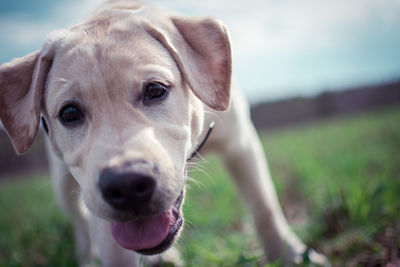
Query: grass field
338	181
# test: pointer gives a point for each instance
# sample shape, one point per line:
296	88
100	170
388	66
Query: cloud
24	31
275	43
20	31
257	26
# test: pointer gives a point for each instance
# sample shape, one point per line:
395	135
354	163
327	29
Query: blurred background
323	80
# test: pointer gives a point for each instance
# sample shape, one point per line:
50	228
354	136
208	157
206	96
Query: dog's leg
237	143
246	164
68	196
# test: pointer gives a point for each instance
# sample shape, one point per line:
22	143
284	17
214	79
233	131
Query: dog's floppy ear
201	48
21	88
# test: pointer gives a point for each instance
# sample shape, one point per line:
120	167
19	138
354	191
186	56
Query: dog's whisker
179	243
198	161
190	180
205	174
195	168
200	173
195	165
190	225
194	182
202	157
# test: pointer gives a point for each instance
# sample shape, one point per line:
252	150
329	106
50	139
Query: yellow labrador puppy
126	97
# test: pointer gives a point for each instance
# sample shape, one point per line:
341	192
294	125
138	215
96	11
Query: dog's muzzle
131	192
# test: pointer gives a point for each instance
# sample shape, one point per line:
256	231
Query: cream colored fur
103	63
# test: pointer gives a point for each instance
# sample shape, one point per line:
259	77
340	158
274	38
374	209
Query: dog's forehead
112	49
111	35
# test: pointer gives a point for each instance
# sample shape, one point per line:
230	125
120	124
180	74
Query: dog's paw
310	256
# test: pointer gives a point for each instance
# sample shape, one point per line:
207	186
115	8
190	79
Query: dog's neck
196	151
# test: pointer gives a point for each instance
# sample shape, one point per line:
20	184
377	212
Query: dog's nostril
144	188
116	195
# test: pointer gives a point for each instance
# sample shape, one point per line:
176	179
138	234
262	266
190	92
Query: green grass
338	181
33	232
348	173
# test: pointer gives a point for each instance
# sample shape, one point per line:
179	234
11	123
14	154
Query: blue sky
281	47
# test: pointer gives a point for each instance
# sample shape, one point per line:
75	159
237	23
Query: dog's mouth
152	234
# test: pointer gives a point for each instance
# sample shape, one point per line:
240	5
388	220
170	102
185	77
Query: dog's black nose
127	191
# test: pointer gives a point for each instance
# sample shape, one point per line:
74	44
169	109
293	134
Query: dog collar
44	124
196	151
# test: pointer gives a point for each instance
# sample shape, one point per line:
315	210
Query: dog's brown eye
70	115
155	91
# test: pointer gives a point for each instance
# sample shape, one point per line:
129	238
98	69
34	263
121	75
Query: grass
338	181
348	173
33	232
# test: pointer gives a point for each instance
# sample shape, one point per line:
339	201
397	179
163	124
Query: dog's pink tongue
142	233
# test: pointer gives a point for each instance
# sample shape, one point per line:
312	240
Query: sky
281	48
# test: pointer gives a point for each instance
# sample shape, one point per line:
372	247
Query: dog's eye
70	115
155	91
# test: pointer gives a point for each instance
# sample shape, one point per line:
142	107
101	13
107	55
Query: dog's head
122	98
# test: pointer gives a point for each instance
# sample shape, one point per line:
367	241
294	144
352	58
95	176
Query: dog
126	97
